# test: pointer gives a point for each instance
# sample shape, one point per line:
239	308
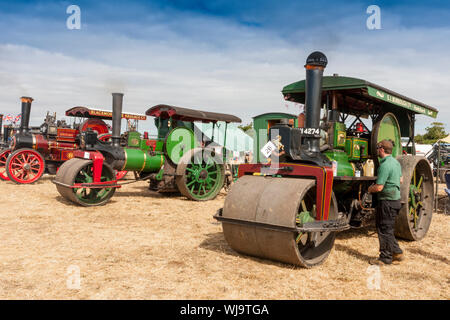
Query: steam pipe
315	64
116	118
26	109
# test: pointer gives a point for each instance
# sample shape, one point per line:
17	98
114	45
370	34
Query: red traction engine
32	154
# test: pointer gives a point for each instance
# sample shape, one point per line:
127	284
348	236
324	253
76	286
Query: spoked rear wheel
25	166
199	175
3	157
416	191
81	171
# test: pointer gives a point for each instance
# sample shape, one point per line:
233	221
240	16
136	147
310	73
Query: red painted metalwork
97	185
3	157
96	125
66	134
323	176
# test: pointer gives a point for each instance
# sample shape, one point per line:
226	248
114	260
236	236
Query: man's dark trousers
387	211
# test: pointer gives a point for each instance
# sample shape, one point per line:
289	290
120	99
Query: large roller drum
416	192
81	171
279	202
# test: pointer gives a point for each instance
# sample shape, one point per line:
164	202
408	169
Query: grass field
143	245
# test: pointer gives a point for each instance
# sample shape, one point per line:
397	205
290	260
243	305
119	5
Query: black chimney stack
116	118
315	64
26	109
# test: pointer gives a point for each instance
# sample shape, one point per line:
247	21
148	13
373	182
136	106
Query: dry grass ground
143	245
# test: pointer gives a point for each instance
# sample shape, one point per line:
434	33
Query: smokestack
26	109
315	64
1	123
116	118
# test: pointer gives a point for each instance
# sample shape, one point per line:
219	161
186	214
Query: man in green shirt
387	187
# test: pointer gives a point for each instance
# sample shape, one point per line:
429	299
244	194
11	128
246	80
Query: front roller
416	193
79	171
268	211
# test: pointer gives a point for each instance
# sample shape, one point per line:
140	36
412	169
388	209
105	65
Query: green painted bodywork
353	147
134	139
339	135
140	160
390	129
179	141
261	124
344	168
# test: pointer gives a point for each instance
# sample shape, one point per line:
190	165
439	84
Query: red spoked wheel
25	166
3	157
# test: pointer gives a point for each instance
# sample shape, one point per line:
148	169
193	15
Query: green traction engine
181	160
314	183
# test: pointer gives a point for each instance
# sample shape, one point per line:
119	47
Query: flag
18	117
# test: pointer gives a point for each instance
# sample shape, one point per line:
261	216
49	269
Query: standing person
387	187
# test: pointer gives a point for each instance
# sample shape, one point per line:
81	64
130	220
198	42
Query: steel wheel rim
91	195
26	166
3	157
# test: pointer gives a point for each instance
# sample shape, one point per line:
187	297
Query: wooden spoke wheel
25	166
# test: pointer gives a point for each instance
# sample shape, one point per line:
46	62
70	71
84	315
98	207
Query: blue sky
224	56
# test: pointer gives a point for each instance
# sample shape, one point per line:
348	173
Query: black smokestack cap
26	109
317	59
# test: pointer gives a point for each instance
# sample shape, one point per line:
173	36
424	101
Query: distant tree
245	127
419	139
434	133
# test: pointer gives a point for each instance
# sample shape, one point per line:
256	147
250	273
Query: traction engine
315	181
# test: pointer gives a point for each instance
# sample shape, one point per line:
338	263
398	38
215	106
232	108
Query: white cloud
213	64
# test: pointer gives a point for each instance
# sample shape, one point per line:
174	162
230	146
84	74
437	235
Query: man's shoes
397	258
377	262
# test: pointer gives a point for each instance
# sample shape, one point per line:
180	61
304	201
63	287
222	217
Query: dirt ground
143	245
